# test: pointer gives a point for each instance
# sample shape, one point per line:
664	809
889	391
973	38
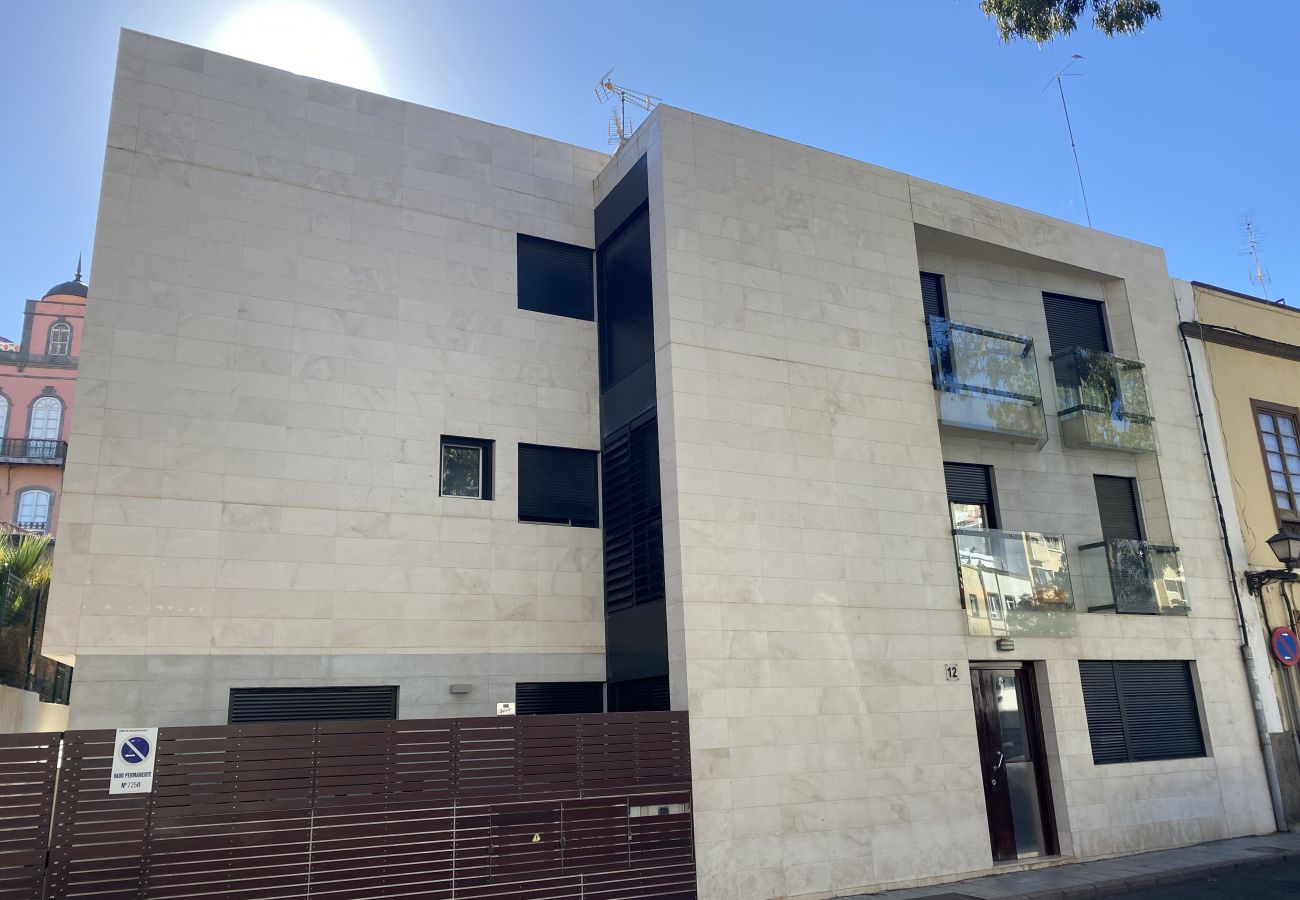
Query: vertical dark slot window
933	300
970	495
1141	710
559	698
555	278
1117	503
466	468
557	485
627	319
633	515
309	704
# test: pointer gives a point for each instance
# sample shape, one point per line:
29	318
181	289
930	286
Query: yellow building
1244	354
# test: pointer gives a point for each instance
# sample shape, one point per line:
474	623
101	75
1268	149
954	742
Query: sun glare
302	38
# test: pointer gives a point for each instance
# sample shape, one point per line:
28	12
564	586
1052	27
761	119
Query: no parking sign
1286	647
134	750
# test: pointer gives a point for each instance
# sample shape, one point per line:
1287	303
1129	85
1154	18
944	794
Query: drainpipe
1247	659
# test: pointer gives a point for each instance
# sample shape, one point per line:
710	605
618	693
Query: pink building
38	379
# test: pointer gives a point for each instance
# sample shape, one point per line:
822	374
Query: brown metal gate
543	807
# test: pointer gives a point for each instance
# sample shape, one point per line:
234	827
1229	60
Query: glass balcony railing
986	381
1126	576
1015	582
1102	402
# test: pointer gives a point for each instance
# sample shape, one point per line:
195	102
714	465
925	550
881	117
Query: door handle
997	765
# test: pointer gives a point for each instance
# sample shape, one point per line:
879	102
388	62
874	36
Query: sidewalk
1111	877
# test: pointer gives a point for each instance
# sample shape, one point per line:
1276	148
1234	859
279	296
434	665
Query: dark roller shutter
1140	711
557	485
633	515
1160	709
557	698
968	484
1075	322
627	332
555	278
306	704
1117	504
932	295
640	695
1105	719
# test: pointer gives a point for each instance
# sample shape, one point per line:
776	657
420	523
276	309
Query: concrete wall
298	288
23	711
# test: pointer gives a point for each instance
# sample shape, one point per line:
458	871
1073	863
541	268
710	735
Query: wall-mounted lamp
1006	644
461	688
1286	547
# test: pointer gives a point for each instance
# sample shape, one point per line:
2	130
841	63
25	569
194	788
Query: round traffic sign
135	749
1286	646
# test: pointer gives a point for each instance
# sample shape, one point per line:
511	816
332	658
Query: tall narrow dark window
1117	503
634	542
932	295
1139	711
970	495
627	319
555	278
557	485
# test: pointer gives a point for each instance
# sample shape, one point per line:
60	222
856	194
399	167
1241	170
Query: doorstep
1116	875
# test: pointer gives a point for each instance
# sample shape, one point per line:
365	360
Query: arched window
60	339
4	415
43	432
33	510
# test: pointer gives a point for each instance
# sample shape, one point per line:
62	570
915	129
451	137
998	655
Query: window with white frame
466	468
33	511
60	343
4	415
47	419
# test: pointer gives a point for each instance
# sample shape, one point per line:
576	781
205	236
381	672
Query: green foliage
24	574
1042	20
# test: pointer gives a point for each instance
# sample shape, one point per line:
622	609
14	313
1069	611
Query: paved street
1272	882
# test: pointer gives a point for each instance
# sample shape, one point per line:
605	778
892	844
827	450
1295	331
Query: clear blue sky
1181	130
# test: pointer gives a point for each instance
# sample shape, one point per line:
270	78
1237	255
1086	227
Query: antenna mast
1255	240
620	129
1074	148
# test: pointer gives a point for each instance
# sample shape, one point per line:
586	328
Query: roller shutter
557	485
555	278
1075	322
1118	506
1141	710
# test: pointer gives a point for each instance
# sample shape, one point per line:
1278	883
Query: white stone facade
299	287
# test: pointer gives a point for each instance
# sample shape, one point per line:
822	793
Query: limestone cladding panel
298	288
810	563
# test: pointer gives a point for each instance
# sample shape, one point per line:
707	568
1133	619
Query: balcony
1015	583
1102	402
986	382
1134	577
35	452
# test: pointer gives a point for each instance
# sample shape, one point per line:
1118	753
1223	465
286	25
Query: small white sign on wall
134	751
505	709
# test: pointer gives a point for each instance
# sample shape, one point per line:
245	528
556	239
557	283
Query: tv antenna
1254	240
620	128
1074	148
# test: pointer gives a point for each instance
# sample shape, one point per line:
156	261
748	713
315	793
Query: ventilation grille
559	698
307	704
640	695
633	516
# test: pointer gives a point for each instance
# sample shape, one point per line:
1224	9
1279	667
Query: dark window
555	278
1117	504
633	515
627	318
1279	431
970	495
1140	711
557	485
466	468
640	695
932	295
308	704
1075	322
559	698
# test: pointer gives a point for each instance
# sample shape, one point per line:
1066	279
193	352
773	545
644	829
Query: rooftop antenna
1254	240
620	129
1074	148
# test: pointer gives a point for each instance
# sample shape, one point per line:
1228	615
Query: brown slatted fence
463	809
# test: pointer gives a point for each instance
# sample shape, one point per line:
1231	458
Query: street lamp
1286	547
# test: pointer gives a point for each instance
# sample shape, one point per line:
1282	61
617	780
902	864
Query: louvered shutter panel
932	294
1117	504
307	704
1075	322
559	698
640	695
555	278
1160	709
633	516
1105	720
557	485
968	484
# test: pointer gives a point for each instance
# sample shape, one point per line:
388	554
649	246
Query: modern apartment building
1244	354
898	491
38	381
